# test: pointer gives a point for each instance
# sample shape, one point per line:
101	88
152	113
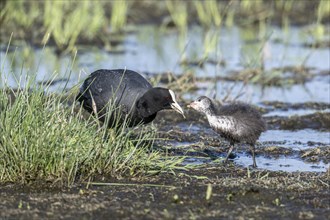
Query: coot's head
157	99
202	104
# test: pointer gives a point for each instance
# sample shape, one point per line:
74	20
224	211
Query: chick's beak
176	107
192	105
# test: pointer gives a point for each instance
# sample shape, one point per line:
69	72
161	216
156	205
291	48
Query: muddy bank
319	121
236	193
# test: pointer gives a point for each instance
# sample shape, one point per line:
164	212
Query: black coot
237	122
132	95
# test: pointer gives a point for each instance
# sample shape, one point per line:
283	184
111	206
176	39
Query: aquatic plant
179	14
66	25
65	21
318	30
208	13
118	15
323	10
211	41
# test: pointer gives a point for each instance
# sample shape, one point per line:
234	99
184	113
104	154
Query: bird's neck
210	111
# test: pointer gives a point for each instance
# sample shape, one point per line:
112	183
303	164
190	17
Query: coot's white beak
176	107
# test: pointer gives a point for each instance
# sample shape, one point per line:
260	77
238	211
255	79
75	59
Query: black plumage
237	122
128	93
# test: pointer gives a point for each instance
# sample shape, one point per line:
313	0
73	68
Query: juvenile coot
237	122
131	93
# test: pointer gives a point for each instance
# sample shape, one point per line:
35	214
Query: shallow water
297	140
293	112
287	164
151	50
283	163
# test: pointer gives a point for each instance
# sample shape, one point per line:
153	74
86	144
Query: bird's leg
253	156
229	152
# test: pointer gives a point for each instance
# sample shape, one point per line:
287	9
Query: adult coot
131	95
237	122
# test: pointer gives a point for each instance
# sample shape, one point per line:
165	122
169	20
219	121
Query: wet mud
317	120
234	193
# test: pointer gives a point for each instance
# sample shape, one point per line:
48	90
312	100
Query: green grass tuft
42	138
